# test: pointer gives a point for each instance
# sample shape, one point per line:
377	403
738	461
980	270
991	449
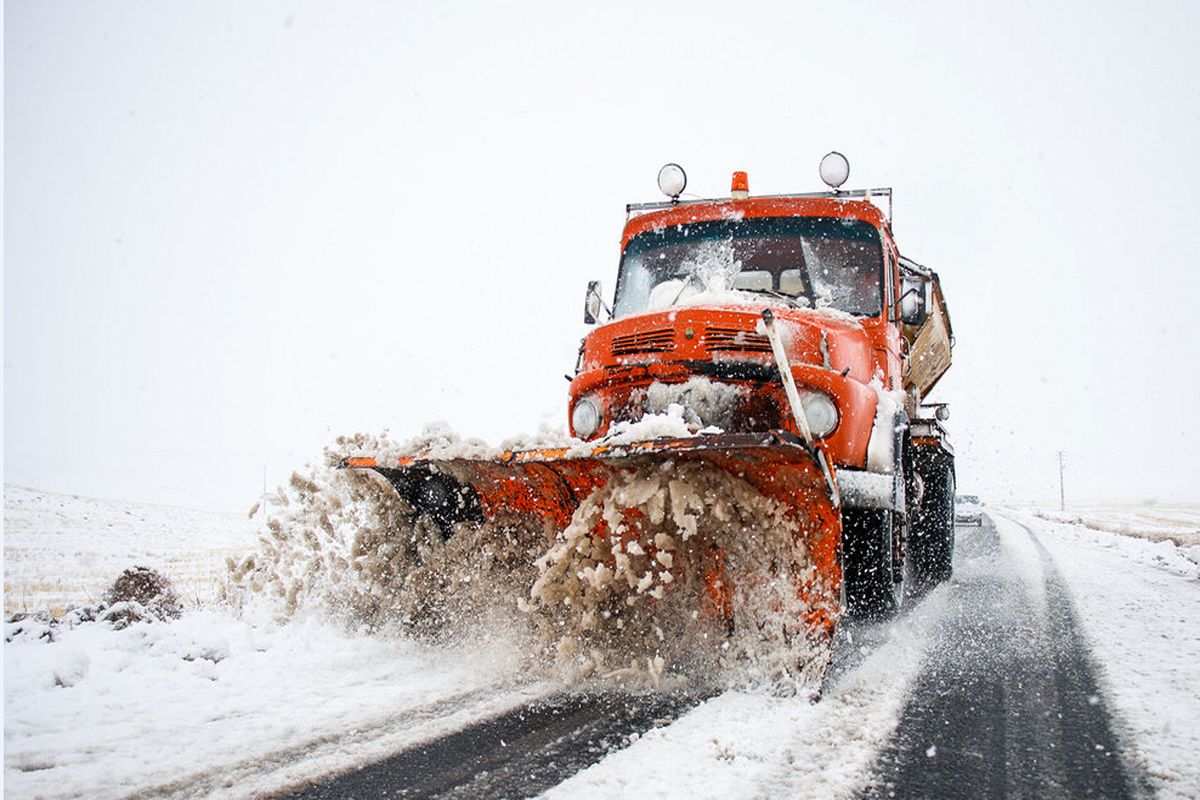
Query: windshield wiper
692	278
787	298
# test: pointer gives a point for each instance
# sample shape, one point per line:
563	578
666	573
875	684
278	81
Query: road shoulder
1138	605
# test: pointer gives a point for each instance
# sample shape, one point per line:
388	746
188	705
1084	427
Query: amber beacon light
740	187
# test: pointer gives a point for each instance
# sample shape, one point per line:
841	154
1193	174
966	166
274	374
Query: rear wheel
874	562
933	525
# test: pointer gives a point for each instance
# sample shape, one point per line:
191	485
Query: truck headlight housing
585	418
821	412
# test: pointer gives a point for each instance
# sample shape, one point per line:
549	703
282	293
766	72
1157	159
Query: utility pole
1062	496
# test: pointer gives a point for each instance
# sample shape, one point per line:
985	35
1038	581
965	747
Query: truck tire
932	527
872	575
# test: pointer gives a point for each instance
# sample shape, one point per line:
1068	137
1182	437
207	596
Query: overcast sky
235	230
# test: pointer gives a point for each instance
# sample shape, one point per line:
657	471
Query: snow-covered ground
219	703
214	698
62	550
214	705
1138	602
1165	522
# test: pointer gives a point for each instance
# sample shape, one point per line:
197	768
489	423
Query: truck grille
659	341
719	339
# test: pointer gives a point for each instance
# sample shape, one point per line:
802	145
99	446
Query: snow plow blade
548	485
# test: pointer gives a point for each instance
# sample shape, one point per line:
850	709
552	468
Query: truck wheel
933	526
873	570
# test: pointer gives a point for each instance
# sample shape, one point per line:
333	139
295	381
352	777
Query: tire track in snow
534	748
335	752
518	754
1008	704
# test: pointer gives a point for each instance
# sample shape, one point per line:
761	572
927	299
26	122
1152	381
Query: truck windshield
820	262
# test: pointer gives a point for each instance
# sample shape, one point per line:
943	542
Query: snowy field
192	706
226	705
1167	522
62	550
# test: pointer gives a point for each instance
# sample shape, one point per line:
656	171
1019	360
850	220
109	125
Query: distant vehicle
967	512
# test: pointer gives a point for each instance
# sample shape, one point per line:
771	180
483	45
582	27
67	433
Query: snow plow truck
797	346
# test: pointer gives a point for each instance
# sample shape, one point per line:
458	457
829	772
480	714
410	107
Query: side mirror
592	303
913	310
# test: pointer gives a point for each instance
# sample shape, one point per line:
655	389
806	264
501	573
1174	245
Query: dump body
930	341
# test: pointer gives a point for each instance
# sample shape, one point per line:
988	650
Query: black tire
932	527
873	573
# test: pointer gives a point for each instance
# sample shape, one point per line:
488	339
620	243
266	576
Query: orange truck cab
864	333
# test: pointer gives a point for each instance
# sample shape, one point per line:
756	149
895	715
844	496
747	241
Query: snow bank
208	699
1138	602
1171	522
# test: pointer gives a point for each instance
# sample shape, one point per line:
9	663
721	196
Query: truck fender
875	487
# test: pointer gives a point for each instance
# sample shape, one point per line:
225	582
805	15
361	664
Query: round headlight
822	413
585	418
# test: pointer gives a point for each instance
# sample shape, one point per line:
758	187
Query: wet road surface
1007	705
519	754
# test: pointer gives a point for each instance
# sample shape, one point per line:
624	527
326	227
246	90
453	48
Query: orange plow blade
548	486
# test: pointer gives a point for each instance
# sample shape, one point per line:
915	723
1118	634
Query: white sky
234	231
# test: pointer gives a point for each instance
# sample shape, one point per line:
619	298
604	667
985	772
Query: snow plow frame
548	485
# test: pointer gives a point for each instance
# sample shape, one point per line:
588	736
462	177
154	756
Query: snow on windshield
815	262
708	266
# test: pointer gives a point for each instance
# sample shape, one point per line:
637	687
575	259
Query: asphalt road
1006	706
519	754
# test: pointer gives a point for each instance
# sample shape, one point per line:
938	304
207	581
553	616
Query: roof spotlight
672	180
835	169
